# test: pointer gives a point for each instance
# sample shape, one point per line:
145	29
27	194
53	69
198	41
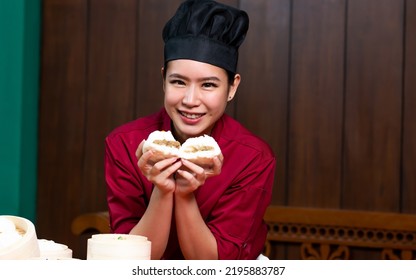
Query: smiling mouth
191	116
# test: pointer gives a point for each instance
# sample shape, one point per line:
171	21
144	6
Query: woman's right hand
160	173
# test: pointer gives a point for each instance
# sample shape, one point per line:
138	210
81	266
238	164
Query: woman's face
196	95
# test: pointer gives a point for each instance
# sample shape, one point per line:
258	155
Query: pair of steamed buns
199	150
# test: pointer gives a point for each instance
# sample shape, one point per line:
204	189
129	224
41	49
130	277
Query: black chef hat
206	31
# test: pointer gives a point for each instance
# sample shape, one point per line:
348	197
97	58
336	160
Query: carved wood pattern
389	254
329	234
311	251
376	238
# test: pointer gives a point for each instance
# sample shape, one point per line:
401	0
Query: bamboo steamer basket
50	250
26	247
110	246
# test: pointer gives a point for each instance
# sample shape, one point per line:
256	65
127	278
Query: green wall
20	22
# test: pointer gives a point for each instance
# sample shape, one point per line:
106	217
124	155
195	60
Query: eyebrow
179	76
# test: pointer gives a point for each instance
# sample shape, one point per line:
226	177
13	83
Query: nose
191	97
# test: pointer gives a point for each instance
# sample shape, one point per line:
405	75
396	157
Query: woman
187	211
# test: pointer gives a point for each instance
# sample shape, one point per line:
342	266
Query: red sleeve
125	191
237	220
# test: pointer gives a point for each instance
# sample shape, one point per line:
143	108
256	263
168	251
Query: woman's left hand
191	176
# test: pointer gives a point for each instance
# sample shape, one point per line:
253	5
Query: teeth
191	116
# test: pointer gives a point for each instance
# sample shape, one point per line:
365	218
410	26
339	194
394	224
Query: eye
209	85
177	82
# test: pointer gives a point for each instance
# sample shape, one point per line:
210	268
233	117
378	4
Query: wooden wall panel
373	105
111	87
409	123
261	102
316	102
151	19
61	118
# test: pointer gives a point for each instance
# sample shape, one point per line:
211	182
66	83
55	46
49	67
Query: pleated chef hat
206	31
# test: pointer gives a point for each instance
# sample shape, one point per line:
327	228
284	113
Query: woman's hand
191	176
160	173
215	168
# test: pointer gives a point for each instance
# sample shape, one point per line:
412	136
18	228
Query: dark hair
230	74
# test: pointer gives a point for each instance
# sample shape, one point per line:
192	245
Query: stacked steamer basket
49	250
18	238
118	247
